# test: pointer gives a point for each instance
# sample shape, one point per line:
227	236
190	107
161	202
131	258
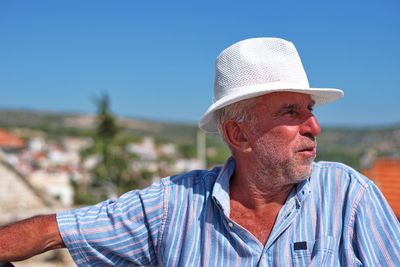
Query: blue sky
155	58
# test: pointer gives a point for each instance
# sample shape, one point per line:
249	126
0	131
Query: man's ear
235	136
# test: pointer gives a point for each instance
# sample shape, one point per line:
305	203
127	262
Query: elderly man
269	205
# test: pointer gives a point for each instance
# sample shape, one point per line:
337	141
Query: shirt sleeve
376	231
123	232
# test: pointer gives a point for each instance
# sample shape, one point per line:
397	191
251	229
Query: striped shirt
336	217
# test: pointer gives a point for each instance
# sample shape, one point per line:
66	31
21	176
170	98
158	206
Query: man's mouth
311	148
309	151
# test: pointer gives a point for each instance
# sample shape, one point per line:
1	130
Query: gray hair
237	111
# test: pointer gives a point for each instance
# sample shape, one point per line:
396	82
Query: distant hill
357	147
344	144
58	121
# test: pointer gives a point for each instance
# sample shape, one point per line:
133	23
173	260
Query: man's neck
256	208
256	195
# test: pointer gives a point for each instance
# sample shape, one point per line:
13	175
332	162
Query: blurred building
10	142
34	167
18	198
145	150
385	172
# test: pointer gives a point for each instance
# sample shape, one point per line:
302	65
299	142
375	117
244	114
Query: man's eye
292	112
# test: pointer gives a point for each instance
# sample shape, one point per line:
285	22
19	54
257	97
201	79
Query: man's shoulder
339	172
193	178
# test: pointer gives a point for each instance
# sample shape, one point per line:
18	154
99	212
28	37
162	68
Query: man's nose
310	127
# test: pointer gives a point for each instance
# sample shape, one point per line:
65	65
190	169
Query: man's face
282	135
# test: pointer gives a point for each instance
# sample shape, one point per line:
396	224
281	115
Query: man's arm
24	239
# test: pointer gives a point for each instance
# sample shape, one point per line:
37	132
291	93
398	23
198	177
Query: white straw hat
258	66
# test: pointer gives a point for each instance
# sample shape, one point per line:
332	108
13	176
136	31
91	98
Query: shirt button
230	224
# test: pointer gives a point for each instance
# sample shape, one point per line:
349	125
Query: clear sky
156	58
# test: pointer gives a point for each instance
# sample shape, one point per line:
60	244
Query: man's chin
304	172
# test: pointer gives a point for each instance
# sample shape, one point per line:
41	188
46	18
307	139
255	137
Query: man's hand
24	239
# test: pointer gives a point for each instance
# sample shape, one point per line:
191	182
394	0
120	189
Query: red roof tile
8	140
385	172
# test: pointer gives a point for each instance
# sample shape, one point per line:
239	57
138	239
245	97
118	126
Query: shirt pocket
320	252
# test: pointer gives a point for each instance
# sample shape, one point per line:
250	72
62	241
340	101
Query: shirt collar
220	192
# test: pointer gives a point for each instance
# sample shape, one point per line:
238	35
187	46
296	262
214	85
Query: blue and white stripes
114	232
337	217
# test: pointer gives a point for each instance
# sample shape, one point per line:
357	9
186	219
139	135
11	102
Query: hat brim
319	95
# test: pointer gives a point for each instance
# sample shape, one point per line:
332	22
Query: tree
112	175
106	126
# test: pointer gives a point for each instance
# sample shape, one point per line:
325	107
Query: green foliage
350	158
222	152
125	137
106	126
83	198
187	150
113	174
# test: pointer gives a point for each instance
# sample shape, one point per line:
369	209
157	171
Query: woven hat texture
258	66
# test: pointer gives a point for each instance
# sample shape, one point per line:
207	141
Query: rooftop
10	141
385	172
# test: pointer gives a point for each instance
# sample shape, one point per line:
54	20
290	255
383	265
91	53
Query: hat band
264	87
